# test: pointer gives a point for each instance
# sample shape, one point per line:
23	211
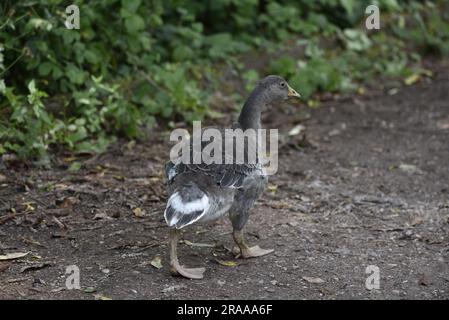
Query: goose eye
282	84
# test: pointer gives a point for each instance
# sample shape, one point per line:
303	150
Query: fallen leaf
313	280
334	132
35	267
408	168
412	79
443	124
424	280
157	262
12	256
101	297
416	220
101	215
293	223
313	103
361	90
131	144
75	166
427	72
227	263
89	290
200	245
28	206
278	205
173	288
67	202
296	130
393	91
4	266
70	159
139	212
32	241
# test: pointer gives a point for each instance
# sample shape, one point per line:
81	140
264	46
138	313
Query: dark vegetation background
136	64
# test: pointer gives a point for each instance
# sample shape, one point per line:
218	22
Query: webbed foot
176	268
247	252
254	252
190	273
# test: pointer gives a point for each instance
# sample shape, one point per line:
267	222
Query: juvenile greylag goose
204	192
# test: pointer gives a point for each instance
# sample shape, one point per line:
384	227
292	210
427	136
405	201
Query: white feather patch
175	201
187	207
171	173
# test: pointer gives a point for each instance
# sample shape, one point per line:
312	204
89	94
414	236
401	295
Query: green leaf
45	68
75	166
2	87
75	75
134	23
92	57
131	5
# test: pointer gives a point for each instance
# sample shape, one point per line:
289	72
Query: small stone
334	132
343	251
173	288
293	223
408	168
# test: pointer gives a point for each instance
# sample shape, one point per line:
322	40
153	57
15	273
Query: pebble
293	223
173	288
334	132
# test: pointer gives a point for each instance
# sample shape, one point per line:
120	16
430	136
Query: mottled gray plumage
227	186
204	192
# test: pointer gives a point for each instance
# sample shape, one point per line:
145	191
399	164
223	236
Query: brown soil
368	185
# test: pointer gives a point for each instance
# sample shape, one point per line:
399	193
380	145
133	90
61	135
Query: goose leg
176	268
245	251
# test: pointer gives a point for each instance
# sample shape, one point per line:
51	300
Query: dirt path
369	186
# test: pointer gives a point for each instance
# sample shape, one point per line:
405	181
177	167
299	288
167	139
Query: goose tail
186	205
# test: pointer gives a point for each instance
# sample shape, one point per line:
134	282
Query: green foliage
135	62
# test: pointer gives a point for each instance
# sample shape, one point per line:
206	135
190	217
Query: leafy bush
135	62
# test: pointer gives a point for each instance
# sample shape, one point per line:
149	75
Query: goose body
203	192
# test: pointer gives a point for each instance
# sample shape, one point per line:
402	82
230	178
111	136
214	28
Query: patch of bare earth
366	185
